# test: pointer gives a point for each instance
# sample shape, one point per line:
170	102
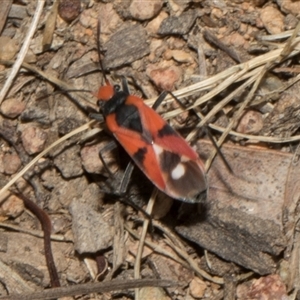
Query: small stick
23	51
137	264
88	288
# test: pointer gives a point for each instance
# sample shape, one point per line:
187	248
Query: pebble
12	107
33	139
11	163
289	6
272	19
265	288
12	207
69	10
91	161
251	122
157	293
154	24
197	288
8	48
180	56
144	10
126	46
178	25
93	231
237	40
164	77
68	162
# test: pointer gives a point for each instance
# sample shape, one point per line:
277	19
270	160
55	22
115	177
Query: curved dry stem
47	150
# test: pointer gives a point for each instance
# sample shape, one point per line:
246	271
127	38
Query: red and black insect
155	147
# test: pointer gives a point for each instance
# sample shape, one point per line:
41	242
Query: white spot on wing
157	149
178	171
183	158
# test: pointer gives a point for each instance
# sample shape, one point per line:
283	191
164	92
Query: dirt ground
233	66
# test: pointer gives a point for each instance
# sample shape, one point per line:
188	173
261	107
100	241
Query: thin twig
137	264
23	50
179	248
36	233
237	116
156	248
88	288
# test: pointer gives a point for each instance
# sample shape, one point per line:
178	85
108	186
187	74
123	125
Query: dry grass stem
16	67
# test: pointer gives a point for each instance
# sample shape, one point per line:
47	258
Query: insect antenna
209	134
99	53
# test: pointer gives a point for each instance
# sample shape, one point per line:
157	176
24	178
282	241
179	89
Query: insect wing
162	154
182	170
139	150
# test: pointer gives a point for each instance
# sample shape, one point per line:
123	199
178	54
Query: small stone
68	162
8	48
272	19
178	6
237	40
290	22
92	162
37	111
289	6
265	288
33	139
147	293
197	288
178	25
110	20
69	10
126	46
67	125
145	10
250	123
157	47
12	207
12	107
217	13
93	231
11	163
164	77
182	56
154	24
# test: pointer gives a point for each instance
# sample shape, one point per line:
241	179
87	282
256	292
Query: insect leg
109	147
159	100
126	177
125	86
96	116
123	183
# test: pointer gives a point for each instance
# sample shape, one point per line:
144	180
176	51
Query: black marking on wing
165	131
168	161
128	116
191	185
140	155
